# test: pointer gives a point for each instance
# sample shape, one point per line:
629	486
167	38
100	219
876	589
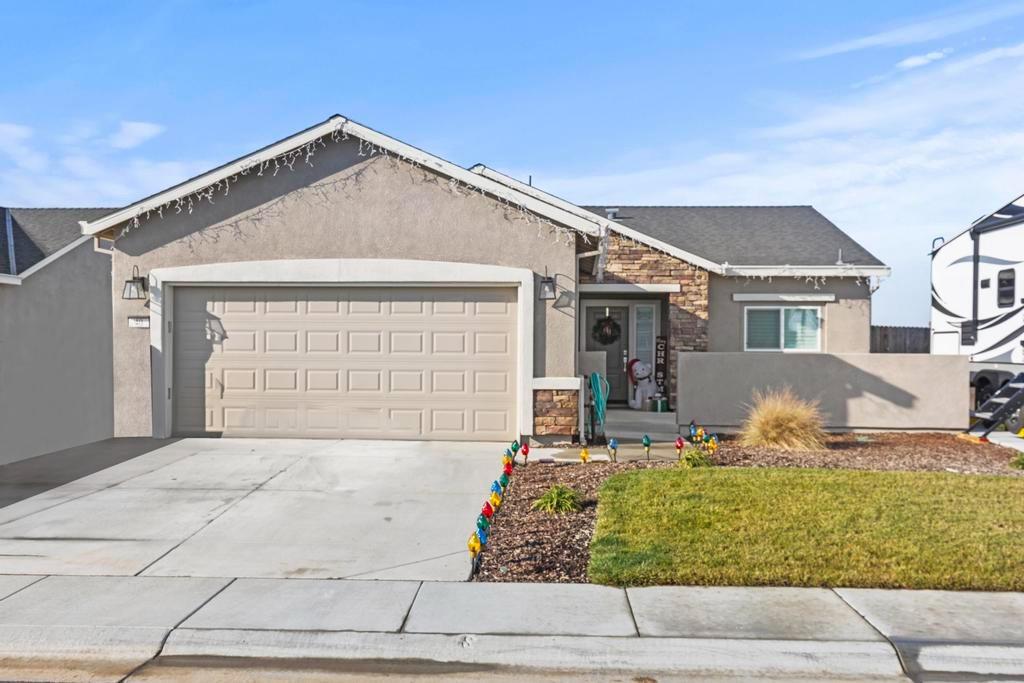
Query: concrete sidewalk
168	628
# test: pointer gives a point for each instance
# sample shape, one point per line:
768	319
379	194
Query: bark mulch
907	451
528	545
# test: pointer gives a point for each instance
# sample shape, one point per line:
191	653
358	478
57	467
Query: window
782	329
1006	288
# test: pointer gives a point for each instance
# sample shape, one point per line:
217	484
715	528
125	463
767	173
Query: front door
607	329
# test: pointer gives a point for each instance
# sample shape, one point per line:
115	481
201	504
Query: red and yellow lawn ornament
487	510
679	447
526	452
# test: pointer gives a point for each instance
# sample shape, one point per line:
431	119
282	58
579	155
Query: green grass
803	527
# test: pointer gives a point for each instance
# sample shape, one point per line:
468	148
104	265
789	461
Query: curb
721	657
957	658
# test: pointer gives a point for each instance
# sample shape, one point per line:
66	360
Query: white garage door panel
435	363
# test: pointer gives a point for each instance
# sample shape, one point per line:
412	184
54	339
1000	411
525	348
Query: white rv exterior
978	297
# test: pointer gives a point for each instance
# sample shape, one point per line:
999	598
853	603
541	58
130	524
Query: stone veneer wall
635	263
556	412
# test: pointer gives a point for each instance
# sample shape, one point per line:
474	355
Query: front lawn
809	527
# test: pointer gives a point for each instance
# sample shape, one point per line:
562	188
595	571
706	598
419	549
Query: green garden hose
599	388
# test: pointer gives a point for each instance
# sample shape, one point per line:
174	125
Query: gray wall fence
889	339
869	391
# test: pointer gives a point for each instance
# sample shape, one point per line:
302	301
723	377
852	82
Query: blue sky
900	121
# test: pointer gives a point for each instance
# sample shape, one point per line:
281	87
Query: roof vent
611	213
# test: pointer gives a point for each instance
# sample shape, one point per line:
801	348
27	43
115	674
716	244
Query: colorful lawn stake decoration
482	534
679	447
495	501
584	455
482	522
508	469
693	432
487	511
526	452
503	480
515	446
613	449
646	441
473	544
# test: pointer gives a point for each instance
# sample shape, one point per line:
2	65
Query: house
341	283
56	362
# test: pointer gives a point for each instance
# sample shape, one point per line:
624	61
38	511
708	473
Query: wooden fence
887	339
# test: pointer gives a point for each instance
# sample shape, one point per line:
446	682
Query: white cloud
918	61
133	133
923	30
14	143
894	165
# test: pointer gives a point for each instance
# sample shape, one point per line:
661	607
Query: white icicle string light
306	152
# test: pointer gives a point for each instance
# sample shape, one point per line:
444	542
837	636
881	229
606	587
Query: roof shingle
38	233
746	235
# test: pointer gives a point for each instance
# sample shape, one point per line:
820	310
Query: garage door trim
334	272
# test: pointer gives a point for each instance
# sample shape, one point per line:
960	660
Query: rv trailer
977	303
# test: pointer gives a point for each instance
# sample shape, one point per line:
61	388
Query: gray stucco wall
847	321
855	390
344	206
55	357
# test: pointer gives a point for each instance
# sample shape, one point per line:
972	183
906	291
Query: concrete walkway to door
261	508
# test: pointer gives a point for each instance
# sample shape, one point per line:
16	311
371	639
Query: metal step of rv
1000	406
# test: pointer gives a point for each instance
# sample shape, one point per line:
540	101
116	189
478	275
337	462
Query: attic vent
611	214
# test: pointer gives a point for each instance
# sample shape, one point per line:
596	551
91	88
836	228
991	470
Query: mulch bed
920	452
528	545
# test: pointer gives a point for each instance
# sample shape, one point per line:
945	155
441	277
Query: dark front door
607	329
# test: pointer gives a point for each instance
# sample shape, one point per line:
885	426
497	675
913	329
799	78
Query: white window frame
782	328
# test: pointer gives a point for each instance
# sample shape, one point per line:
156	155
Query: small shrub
780	419
1018	461
695	457
558	499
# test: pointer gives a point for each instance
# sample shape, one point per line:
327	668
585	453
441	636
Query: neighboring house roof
747	235
38	235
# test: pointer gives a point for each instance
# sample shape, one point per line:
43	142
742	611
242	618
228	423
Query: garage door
412	363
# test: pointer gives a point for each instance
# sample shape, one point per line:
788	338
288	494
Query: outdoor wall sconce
547	287
135	286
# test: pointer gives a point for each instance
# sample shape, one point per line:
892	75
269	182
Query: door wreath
606	331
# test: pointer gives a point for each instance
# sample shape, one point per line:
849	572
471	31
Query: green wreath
606	331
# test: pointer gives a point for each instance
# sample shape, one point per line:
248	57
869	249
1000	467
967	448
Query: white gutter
807	271
338	124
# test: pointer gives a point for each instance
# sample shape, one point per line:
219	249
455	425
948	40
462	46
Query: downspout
9	231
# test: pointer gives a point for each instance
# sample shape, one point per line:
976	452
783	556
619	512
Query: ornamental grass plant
778	418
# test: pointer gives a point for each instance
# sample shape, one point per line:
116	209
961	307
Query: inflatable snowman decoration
641	379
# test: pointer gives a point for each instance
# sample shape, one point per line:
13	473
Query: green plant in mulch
558	500
694	457
1018	462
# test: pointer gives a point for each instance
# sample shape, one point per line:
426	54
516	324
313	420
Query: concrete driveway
261	508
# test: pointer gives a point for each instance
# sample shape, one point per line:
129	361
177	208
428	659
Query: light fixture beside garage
547	287
135	286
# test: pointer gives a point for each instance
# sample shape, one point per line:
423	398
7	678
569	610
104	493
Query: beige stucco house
341	283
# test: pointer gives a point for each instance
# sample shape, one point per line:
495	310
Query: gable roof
672	235
748	235
39	234
333	126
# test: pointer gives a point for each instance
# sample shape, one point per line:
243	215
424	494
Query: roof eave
340	123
